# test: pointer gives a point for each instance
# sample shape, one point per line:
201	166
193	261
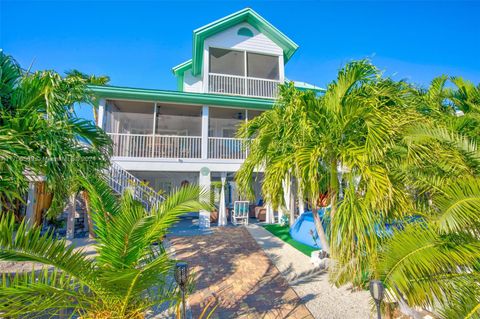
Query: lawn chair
240	212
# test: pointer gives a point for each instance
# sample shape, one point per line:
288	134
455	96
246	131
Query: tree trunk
320	230
333	191
86	199
71	217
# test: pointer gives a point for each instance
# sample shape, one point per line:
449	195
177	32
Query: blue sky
137	43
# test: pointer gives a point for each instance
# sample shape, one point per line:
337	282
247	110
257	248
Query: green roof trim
181	68
246	15
117	92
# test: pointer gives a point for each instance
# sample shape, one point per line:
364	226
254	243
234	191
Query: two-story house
167	138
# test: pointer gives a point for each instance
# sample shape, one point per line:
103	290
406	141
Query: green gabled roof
118	92
246	15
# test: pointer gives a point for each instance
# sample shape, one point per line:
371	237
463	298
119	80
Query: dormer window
243	73
262	66
224	61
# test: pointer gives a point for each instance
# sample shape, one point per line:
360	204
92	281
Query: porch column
204	132
101	112
31	203
222	212
204	183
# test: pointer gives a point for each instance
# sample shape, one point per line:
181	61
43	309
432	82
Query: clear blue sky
137	43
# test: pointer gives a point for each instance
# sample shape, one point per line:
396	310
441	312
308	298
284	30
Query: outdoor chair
239	213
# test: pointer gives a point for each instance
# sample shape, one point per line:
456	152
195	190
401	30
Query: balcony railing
160	146
226	148
172	146
241	85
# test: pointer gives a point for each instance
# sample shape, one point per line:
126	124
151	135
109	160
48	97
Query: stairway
120	180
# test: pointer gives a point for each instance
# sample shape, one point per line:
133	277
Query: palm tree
435	263
130	274
272	138
41	133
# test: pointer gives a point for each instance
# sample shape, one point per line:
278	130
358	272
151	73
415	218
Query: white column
154	127
31	201
204	182
205	115
222	212
281	69
101	112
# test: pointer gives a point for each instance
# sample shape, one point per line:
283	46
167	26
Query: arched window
246	32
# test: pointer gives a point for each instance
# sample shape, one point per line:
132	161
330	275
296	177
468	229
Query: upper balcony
175	131
243	73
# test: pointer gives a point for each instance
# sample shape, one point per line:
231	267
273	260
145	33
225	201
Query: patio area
230	267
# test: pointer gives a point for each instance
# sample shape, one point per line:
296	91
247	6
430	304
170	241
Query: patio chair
240	212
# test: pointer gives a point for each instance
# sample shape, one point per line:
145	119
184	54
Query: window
262	66
246	32
227	61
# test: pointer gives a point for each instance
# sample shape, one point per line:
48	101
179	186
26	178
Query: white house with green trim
168	137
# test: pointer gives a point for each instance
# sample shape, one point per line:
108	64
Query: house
164	139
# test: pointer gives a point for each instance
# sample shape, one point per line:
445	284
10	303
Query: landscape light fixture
377	290
181	277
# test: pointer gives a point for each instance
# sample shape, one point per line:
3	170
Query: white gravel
311	284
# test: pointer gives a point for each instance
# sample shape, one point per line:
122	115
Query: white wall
166	181
230	39
192	83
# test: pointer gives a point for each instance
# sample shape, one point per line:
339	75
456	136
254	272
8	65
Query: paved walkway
321	298
232	269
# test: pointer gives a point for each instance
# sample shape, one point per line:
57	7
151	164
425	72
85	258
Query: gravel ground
311	284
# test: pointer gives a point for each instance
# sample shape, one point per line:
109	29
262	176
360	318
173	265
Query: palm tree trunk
333	191
86	199
320	230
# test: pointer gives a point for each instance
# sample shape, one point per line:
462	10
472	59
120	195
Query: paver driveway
230	267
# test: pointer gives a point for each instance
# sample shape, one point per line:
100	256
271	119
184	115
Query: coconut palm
41	134
130	273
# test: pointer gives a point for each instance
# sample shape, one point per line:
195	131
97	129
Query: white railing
168	146
120	180
226	148
242	85
156	146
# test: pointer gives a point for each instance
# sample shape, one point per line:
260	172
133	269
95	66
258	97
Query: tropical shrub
130	274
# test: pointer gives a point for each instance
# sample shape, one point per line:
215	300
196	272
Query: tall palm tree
42	134
272	138
130	274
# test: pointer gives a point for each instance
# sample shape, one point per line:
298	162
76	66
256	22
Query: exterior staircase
120	180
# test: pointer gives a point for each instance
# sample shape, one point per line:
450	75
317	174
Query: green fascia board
246	15
117	92
181	68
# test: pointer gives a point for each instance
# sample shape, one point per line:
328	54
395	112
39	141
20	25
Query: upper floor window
232	62
262	66
227	61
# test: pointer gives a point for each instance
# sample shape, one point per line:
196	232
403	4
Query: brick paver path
233	270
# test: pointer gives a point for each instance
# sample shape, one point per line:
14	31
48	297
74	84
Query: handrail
244	77
120	181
